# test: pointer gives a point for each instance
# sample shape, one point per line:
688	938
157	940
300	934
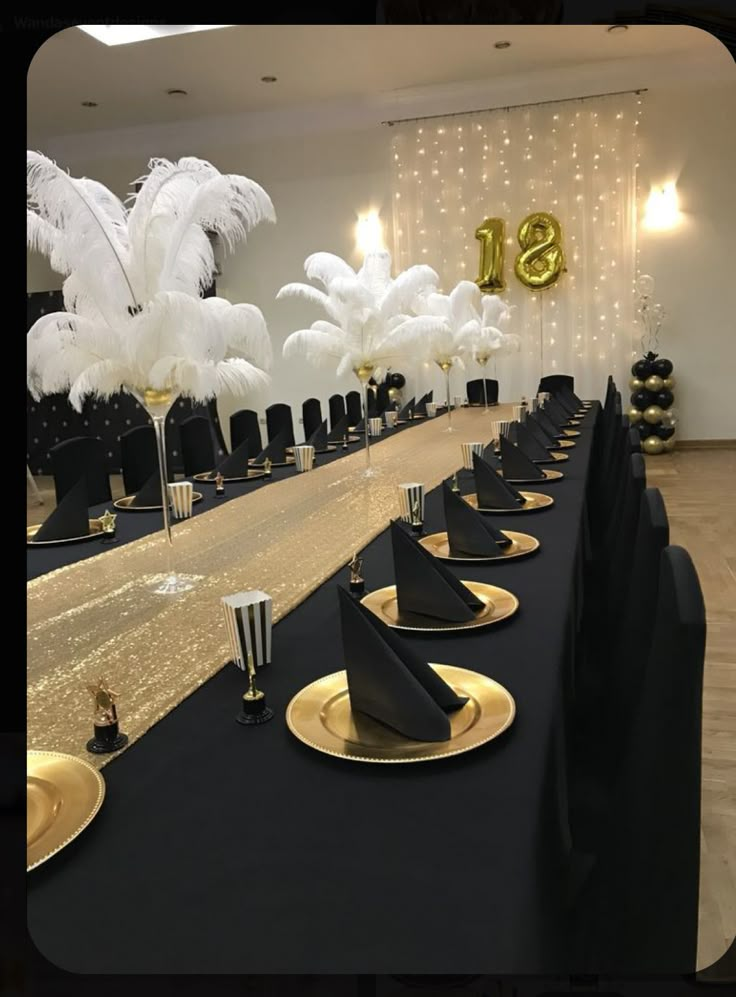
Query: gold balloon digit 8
541	260
491	236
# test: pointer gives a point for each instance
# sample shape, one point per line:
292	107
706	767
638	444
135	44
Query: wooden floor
698	488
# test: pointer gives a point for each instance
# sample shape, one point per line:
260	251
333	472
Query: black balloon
645	429
642	369
397	381
663	432
662	367
642	399
664	398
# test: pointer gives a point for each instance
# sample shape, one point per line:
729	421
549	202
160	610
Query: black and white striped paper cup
375	427
181	494
519	412
431	409
390	416
409	495
499	428
304	457
468	450
248	622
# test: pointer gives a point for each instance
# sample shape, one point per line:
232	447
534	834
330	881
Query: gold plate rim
331	447
95	533
123	504
289	462
571	432
413	751
90	814
566	444
549	475
505	555
493	594
534	496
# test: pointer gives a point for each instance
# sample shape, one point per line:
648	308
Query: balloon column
652	411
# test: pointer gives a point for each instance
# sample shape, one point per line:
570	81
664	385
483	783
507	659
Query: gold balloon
491	235
669	445
394	394
541	260
634	415
653	445
653	414
669	382
636	384
654	383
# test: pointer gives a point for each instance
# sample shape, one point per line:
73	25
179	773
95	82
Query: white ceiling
221	69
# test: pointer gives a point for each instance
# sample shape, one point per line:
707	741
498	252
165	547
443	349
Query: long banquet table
223	849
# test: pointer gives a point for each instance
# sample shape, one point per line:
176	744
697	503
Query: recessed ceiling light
617	29
90	103
502	44
124	34
269	79
177	92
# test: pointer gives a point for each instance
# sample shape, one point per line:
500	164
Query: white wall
319	181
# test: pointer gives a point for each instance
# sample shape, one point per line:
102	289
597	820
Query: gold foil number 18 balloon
491	236
541	260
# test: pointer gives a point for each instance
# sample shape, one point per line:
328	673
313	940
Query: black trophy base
417	529
109	538
357	589
254	711
106	739
220	494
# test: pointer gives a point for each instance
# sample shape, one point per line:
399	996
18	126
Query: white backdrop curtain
575	159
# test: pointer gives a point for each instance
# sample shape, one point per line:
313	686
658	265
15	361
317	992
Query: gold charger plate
207	477
281	463
549	475
320	716
125	504
563	443
498	604
552	457
534	501
571	432
95	532
521	545
63	794
331	447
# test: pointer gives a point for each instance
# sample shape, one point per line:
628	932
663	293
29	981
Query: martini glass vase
157	403
482	361
364	373
446	366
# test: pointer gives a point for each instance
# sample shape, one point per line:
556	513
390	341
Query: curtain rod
510	107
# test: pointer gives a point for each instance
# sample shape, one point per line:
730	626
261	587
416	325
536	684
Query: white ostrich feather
134	316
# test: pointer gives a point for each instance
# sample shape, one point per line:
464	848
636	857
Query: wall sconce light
369	233
662	209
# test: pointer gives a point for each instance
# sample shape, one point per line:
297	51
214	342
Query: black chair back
474	391
81	456
311	416
197	448
553	382
279	420
244	426
337	410
383	401
353	407
634	440
138	457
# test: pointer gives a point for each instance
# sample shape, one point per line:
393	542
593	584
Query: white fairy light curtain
575	160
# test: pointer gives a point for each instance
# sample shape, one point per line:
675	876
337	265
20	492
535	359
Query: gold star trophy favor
219	486
417	526
254	709
107	522
107	733
455	486
345	442
267	467
357	582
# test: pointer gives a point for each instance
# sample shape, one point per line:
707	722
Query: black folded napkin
421	406
528	444
359	427
516	465
388	681
430	396
556	413
406	411
568	397
275	451
489	456
491	489
566	402
340	431
548	424
318	439
70	518
537	430
468	531
149	494
424	585
235	465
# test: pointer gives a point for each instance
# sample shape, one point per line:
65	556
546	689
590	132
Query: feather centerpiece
369	325
135	320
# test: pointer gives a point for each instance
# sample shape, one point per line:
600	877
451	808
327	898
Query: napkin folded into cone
491	489
469	533
275	451
407	411
421	406
318	439
528	444
339	432
550	426
516	465
359	427
70	518
566	402
149	494
555	413
235	465
489	456
388	681
425	586
540	434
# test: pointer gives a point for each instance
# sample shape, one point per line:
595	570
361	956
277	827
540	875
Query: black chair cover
197	448
353	407
138	457
278	420
337	409
474	391
553	382
80	457
311	416
244	426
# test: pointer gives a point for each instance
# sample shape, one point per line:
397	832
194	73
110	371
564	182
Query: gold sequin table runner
98	618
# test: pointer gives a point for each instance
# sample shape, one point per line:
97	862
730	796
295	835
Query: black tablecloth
239	850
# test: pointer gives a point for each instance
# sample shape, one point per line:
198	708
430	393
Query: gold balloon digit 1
492	243
541	260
